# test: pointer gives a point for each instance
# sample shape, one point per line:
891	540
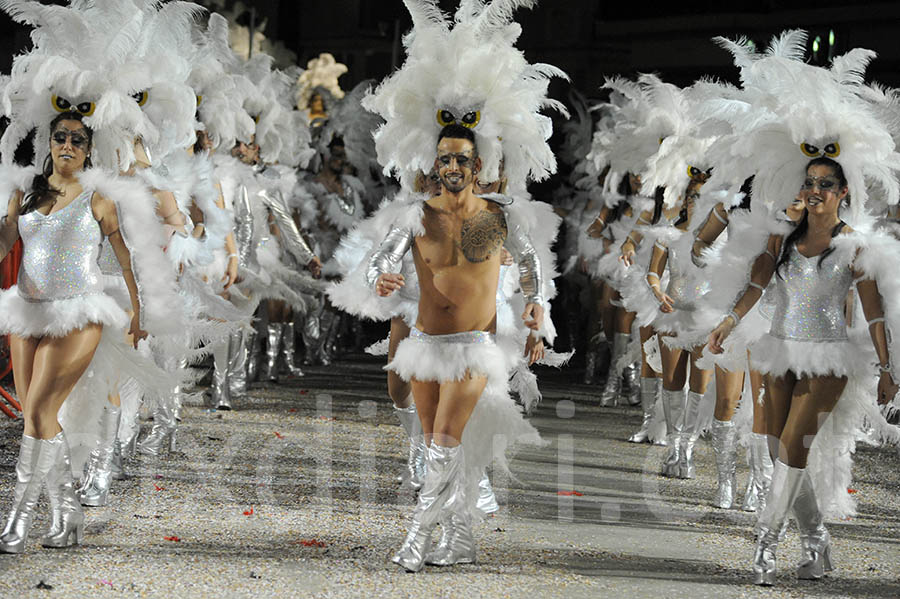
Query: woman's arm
716	222
167	209
231	262
597	227
197	219
658	261
760	276
106	214
9	224
631	243
872	306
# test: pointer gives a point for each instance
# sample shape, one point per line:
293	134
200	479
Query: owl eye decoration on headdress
832	150
469	120
61	104
141	97
697	173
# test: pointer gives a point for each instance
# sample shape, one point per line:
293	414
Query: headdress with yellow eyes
122	64
468	71
790	112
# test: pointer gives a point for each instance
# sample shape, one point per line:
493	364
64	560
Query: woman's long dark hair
41	191
803	225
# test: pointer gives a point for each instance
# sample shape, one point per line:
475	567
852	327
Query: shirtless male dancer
451	352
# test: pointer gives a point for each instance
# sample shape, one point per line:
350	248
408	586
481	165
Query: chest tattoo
482	235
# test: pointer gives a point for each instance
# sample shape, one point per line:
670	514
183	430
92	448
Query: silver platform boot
67	517
785	486
443	466
631	388
163	431
36	458
457	544
487	500
274	331
220	392
94	490
613	387
723	442
311	333
690	434
760	474
287	349
673	408
414	473
814	537
650	389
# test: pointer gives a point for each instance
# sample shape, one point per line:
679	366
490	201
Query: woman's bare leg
58	364
21	351
729	386
813	400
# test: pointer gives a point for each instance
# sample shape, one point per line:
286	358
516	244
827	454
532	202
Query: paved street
294	494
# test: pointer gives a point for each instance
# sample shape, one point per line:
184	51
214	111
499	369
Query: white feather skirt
59	317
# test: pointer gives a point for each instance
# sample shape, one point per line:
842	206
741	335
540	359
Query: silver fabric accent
760	474
786	483
673	408
220	392
389	254
238	367
243	231
649	393
814	537
291	239
274	331
61	250
809	299
67	528
525	256
689	434
288	341
415	462
465	337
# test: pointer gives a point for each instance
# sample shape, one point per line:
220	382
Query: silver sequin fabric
809	299
685	287
466	337
60	255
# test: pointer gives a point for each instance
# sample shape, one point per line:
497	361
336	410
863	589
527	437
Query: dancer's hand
506	258
666	303
136	332
627	256
315	267
533	316
595	231
231	272
534	349
887	388
719	334
388	283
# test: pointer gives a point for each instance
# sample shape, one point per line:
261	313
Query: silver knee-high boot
415	461
649	392
631	388
443	466
457	544
98	472
814	537
487	500
613	387
785	486
673	408
760	474
690	434
287	349
164	427
723	442
238	362
220	391
274	332
67	517
36	457
253	354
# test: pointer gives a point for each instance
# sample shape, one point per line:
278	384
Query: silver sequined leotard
810	298
60	253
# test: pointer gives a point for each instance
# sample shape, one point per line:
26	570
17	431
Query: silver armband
243	230
389	254
293	242
525	256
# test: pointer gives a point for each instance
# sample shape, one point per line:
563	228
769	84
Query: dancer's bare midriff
458	263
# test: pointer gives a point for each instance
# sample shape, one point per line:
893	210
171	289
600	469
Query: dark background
587	38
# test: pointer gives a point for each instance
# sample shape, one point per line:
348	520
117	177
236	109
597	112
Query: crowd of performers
178	205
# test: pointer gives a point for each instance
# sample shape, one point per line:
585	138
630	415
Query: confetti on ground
570	493
173	538
248	512
279	435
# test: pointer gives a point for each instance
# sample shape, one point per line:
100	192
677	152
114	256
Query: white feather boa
142	231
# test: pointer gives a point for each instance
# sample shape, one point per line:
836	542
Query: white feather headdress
792	112
321	74
466	71
348	120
